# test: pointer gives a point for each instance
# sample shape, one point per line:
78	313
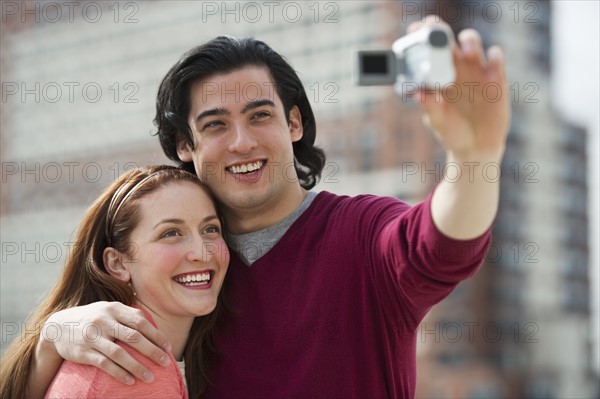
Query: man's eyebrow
222	111
256	104
212	112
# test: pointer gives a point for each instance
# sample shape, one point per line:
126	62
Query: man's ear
296	128
114	264
184	150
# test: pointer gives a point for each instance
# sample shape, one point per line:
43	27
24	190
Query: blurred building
519	328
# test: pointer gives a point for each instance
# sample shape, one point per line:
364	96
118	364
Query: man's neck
242	221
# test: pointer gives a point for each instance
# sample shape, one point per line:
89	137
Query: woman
153	241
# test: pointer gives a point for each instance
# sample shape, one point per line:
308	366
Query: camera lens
438	38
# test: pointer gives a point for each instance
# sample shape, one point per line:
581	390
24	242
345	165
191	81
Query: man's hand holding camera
473	128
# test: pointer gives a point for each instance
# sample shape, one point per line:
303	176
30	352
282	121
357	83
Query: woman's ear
114	265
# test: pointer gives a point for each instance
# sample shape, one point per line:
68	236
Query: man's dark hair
223	55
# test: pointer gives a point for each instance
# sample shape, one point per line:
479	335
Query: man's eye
261	115
212	125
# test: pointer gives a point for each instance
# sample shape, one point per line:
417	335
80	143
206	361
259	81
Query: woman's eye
171	233
212	229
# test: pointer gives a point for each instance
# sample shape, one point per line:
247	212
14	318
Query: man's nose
242	140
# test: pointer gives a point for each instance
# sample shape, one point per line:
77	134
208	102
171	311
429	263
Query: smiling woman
153	241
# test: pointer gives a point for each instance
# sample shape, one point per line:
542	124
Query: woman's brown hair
84	279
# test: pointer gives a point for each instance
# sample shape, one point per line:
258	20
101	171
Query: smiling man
327	291
242	147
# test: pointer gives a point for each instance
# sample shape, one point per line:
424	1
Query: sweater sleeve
83	381
72	381
415	265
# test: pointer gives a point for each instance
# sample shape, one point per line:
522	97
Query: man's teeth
249	167
194	279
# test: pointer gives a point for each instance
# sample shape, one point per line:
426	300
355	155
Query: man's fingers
496	60
99	360
431	103
471	47
115	321
147	340
152	333
113	357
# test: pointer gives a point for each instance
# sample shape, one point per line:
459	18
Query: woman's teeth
194	279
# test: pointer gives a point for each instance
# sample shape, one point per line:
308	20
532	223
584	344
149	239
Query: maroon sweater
332	310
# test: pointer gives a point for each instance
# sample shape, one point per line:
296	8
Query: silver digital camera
421	58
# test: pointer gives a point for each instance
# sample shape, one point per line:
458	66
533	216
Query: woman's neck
175	328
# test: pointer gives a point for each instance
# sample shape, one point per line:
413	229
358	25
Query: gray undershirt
252	246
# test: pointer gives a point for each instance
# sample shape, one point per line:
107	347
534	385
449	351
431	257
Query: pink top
83	381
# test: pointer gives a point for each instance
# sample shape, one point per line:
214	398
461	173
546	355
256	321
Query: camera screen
375	64
375	67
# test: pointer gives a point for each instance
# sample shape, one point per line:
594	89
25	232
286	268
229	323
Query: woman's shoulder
85	381
73	381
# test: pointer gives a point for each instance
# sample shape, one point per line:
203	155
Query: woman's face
177	257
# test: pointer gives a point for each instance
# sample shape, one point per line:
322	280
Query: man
327	292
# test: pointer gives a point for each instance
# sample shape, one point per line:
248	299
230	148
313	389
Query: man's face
243	142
